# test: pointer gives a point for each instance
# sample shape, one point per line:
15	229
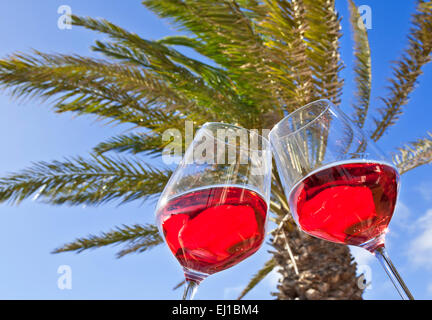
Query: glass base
195	276
373	244
377	248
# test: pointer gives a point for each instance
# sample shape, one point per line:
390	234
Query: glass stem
190	289
384	259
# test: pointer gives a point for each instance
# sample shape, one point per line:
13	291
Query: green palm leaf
323	34
260	275
414	154
149	144
88	86
363	66
407	71
138	238
175	68
224	32
79	181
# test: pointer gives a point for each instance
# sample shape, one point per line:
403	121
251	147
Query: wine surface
347	203
212	229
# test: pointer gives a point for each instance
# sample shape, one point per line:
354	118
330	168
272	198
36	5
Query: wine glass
339	185
213	210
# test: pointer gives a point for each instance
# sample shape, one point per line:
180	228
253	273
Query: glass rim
275	128
267	141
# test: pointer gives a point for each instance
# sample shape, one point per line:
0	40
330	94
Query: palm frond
226	32
138	237
261	274
89	86
149	54
221	27
198	96
147	143
284	29
414	154
303	40
180	284
322	36
80	181
209	87
407	71
363	66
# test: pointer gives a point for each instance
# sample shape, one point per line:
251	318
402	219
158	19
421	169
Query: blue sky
30	131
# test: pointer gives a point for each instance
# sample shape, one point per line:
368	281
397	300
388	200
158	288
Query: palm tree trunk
322	270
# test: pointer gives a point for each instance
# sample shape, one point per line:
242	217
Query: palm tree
266	58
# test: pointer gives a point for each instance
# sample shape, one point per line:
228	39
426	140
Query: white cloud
420	248
269	282
363	259
232	293
402	215
400	224
273	278
429	288
361	256
425	190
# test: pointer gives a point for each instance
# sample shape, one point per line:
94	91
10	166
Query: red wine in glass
212	229
340	186
348	203
212	212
